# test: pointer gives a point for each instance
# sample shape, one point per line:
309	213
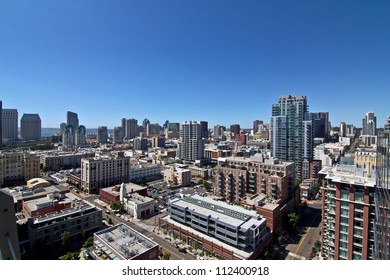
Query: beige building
177	176
236	176
199	172
100	172
18	167
366	158
139	206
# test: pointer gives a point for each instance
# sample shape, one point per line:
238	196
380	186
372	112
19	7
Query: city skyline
220	62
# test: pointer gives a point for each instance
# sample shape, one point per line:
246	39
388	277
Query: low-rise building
62	160
138	206
306	188
198	172
141	173
177	176
45	219
217	227
121	242
112	194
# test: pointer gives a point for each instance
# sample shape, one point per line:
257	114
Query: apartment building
18	167
236	176
177	176
144	172
216	227
100	172
348	207
57	161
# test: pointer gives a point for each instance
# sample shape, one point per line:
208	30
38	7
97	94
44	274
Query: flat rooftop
222	211
349	174
124	241
139	199
130	187
263	201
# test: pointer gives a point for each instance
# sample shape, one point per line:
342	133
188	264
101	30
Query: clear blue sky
221	61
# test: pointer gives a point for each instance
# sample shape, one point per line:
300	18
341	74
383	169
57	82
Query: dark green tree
71	256
166	256
65	238
88	242
293	220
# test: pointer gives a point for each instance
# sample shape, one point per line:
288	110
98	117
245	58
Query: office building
118	135
387	125
72	119
369	124
218	132
235	129
216	227
1	124
100	172
158	142
30	127
10	124
140	144
121	242
343	129
256	126
191	144
102	135
382	199
288	138
130	129
204	129
174	127
321	125
146	172
9	241
348	213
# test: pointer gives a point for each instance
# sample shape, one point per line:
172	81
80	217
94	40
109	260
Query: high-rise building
130	129
387	125
68	136
256	125
382	199
10	124
158	142
80	139
343	129
218	131
369	124
204	129
235	129
145	123
175	127
321	124
191	144
72	119
140	144
287	130
1	125
98	173
30	127
102	135
348	213
118	135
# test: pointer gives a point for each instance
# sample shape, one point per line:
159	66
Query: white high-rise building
191	144
369	124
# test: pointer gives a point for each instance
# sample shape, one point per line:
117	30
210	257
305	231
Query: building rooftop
349	174
263	201
139	199
222	211
130	188
124	241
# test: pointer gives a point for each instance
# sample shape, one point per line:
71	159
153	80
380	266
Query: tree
317	246
117	205
166	256
88	242
71	256
293	220
315	189
65	238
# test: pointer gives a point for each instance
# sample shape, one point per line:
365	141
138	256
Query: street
309	234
